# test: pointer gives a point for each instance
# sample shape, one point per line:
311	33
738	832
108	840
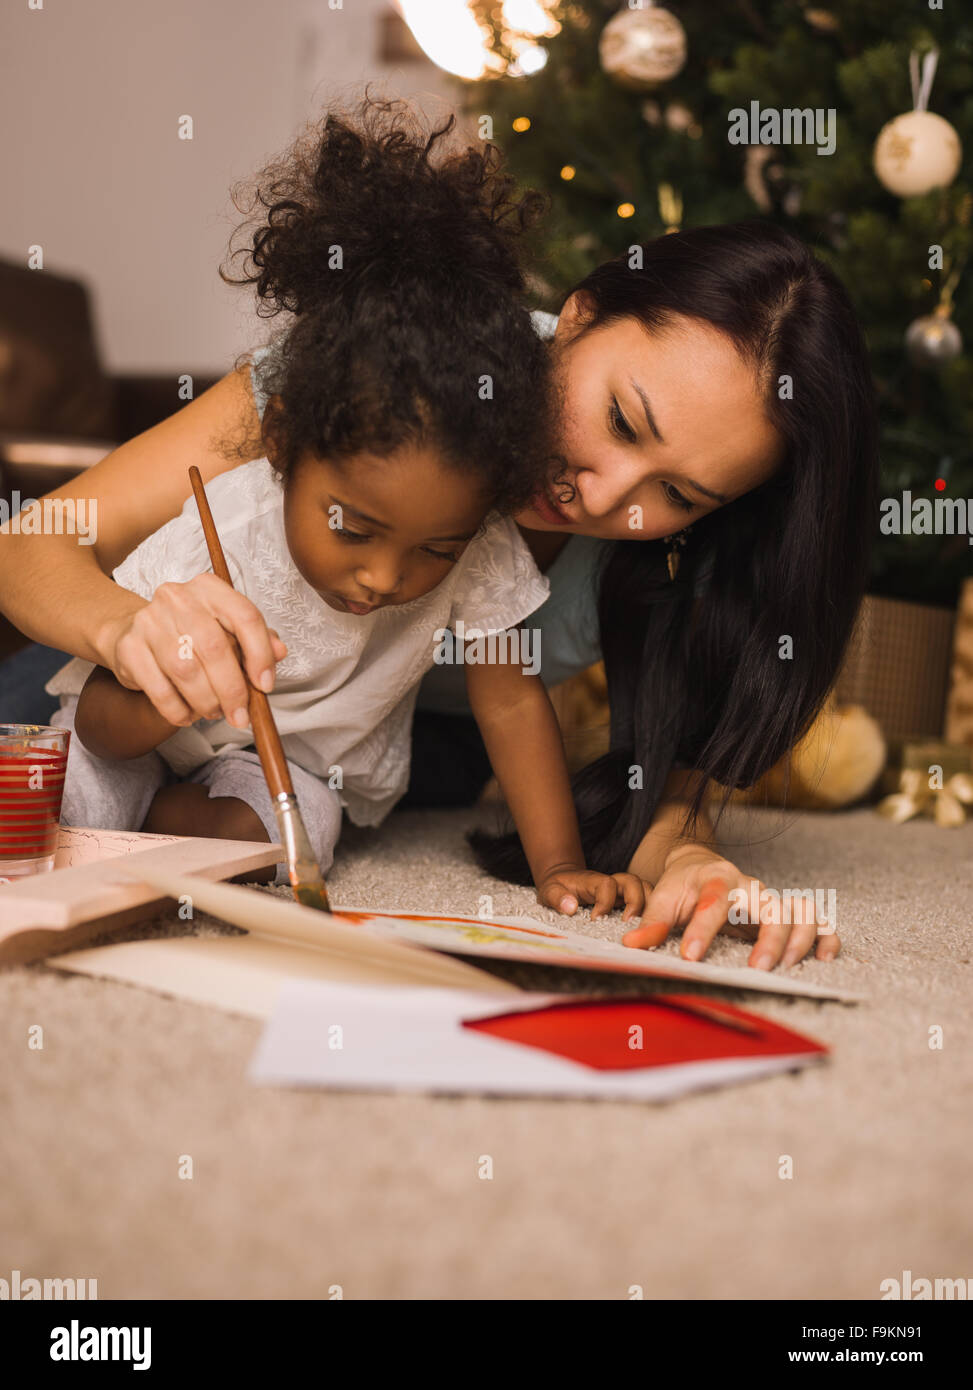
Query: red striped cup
33	759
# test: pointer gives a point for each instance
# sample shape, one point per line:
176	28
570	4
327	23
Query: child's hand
564	889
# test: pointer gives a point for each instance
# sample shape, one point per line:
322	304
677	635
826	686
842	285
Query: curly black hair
402	265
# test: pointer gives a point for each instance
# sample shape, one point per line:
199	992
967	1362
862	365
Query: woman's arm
61	593
665	834
113	722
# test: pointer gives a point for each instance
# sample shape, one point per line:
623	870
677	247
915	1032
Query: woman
703	529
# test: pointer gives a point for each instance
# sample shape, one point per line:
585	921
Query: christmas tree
628	128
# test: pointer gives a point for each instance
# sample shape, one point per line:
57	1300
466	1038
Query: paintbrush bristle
312	895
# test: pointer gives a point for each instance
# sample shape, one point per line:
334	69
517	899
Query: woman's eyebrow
716	496
648	410
707	492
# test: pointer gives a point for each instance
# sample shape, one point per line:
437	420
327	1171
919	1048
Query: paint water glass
33	760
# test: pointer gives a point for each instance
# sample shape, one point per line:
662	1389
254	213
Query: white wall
92	169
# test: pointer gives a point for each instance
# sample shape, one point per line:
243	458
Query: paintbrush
307	882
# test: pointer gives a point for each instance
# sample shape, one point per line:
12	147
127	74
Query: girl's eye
676	498
619	425
358	537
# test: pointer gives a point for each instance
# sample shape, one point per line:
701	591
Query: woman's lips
548	510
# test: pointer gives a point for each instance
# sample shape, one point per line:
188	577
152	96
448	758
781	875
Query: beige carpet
297	1192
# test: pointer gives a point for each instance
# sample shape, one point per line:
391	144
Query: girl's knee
187	808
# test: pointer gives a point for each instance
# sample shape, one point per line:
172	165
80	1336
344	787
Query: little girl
409	412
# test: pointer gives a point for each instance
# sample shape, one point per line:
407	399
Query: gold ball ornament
933	340
677	116
917	152
823	20
642	48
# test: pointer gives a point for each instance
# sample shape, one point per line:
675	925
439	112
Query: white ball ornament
916	153
642	48
933	340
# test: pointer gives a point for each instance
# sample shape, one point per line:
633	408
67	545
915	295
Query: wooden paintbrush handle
265	735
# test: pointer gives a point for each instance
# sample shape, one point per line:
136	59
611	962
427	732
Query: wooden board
58	911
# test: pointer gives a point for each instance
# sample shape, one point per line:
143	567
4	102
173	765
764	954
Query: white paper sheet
412	1040
245	974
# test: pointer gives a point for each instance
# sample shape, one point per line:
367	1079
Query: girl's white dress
345	692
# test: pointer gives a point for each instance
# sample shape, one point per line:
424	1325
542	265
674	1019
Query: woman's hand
182	650
693	892
564	889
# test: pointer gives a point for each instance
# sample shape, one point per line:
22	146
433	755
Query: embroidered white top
345	692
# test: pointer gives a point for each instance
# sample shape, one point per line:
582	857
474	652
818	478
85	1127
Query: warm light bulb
529	60
521	124
529	17
449	33
568	172
626	209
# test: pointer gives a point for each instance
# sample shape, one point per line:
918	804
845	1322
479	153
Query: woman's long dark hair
716	686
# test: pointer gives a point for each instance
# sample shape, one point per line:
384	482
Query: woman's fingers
647	935
709	915
244	620
808	933
677	899
186	646
198	656
211	614
660	914
801	939
783	936
142	673
769	946
698	894
828	946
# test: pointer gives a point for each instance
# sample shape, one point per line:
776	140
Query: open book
45	915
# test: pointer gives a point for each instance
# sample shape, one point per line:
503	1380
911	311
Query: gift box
959	706
910	755
897	666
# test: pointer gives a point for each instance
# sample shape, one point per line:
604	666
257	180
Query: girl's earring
676	544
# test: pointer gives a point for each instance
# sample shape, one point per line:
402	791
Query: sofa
60	411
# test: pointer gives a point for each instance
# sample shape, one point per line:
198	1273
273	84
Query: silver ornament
933	340
641	48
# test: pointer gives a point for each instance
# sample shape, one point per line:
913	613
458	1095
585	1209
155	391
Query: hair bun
374	195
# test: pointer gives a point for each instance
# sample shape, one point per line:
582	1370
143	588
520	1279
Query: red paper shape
674	1028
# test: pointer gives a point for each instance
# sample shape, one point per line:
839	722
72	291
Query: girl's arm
523	740
113	722
59	592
